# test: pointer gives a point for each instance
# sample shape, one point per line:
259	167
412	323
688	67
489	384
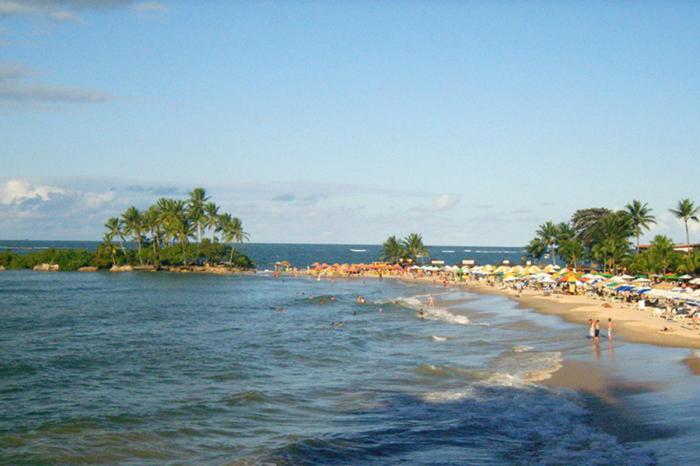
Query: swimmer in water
421	314
431	301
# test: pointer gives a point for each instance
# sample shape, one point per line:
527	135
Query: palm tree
640	218
152	223
572	250
564	232
392	251
231	230
195	205
132	220
183	228
686	211
107	239
661	253
536	249
211	213
172	216
414	247
114	228
611	238
547	233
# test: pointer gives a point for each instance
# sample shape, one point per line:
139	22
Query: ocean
143	368
264	255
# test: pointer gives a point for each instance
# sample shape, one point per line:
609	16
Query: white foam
436	313
522	348
437	338
449	395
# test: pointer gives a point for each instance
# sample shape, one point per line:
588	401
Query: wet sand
628	322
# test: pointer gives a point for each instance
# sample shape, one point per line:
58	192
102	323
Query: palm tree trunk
553	253
138	248
637	243
230	259
687	238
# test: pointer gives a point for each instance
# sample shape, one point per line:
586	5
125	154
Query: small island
182	235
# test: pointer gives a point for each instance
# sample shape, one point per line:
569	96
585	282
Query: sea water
264	255
181	368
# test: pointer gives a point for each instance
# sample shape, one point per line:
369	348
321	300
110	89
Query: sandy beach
628	322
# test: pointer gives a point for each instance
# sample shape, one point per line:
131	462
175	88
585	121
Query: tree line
162	233
604	235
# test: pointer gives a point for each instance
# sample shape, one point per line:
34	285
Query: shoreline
630	324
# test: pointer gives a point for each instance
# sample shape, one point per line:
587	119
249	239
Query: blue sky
471	122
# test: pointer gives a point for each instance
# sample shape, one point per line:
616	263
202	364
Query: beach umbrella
685	277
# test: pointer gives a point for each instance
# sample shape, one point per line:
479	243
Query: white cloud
446	201
63	10
149	7
94	200
18	191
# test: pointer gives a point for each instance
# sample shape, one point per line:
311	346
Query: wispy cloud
69	10
446	201
16	87
149	7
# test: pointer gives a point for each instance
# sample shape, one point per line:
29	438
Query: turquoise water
173	368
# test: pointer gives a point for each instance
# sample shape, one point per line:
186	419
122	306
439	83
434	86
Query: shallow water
141	368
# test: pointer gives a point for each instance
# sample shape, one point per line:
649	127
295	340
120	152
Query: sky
346	122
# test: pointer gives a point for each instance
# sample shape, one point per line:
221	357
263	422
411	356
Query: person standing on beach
591	328
610	330
597	330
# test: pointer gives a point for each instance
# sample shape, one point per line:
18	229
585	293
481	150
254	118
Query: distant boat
358	250
449	251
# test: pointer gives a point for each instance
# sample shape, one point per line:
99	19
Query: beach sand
628	322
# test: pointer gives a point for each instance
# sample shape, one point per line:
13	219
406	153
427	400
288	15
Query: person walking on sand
597	330
591	328
610	330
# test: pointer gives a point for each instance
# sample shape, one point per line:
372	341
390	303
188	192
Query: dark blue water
177	368
302	255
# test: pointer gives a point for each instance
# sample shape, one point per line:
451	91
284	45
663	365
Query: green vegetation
67	259
163	231
161	235
600	235
409	249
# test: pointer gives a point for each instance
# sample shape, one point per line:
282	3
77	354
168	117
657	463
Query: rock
47	267
2	268
87	268
145	268
121	268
